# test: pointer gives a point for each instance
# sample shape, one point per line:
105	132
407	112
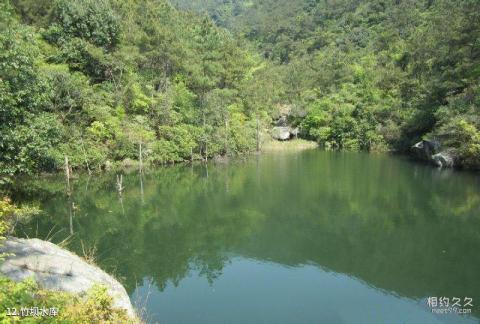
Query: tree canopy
370	74
95	80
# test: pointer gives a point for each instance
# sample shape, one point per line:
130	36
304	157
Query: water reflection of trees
396	225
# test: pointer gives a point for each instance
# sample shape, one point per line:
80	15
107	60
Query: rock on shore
57	269
284	133
431	151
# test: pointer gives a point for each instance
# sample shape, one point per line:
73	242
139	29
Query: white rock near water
57	269
284	133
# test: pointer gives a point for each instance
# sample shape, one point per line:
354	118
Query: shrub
92	20
96	306
458	126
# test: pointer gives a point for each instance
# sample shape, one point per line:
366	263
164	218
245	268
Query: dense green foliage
11	214
370	74
95	307
95	80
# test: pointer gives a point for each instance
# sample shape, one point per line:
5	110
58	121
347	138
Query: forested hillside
369	75
102	81
97	80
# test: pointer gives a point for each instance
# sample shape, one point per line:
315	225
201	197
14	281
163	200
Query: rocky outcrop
282	121
444	159
57	269
281	133
431	151
425	149
295	132
284	133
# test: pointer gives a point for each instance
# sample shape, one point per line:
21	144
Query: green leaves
91	20
111	74
458	125
107	76
378	70
18	74
27	147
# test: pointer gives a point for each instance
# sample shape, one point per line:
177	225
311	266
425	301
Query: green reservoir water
305	237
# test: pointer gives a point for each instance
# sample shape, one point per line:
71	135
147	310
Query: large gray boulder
281	133
57	269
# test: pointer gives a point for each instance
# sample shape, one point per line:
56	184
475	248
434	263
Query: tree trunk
258	134
140	158
225	143
67	175
206	151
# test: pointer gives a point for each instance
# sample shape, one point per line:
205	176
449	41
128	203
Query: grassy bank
293	145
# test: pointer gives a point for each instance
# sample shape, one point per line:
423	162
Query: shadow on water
404	228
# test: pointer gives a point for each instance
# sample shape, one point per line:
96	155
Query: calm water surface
310	237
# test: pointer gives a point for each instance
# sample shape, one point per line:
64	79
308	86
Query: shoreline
268	146
294	145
